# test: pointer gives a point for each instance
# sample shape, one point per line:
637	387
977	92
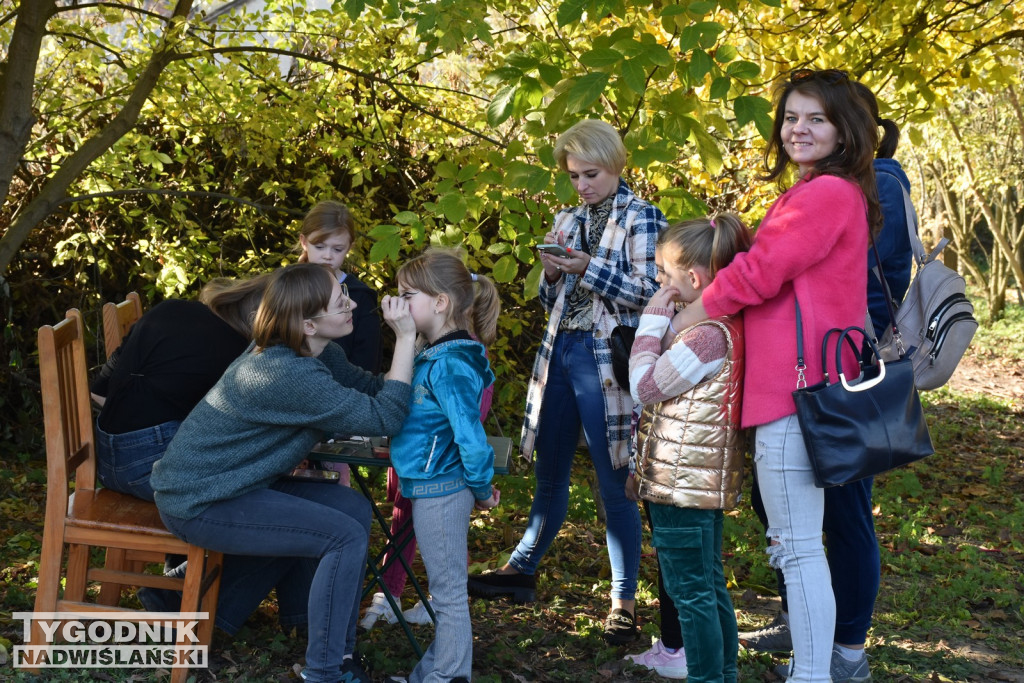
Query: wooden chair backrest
67	414
118	318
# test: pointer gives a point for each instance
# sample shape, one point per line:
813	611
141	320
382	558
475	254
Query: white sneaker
380	608
666	664
418	614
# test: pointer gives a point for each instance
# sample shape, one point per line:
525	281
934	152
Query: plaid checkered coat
622	271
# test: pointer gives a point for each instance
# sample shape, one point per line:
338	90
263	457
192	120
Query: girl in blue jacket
442	457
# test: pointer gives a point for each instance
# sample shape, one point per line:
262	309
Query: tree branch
54	190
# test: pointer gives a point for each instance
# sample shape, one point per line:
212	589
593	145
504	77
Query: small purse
854	430
621	342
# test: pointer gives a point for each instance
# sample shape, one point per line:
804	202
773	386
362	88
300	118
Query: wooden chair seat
79	518
107	510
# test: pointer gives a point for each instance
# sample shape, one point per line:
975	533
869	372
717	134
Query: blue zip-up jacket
442	447
893	243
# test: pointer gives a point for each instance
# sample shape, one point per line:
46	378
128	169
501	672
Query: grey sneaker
774	637
840	669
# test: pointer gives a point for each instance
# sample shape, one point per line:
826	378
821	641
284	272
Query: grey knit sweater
262	418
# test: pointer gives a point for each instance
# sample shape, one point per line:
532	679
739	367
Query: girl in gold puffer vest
689	455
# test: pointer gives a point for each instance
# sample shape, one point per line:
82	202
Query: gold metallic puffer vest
690	448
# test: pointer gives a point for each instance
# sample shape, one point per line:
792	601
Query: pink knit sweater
812	242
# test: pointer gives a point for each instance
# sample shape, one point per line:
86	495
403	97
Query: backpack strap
912	225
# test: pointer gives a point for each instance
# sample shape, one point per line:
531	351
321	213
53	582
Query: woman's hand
555	266
490	502
397	315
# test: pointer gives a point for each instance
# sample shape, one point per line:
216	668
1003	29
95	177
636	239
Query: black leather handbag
860	428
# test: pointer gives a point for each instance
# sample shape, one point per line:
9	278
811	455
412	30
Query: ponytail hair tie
712	222
473	275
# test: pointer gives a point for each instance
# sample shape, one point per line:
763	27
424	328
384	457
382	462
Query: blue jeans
283	531
442	527
853	557
125	461
573	398
795	508
689	544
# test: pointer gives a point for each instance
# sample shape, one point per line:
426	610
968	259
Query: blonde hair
473	299
325	219
294	293
235	301
594	142
707	242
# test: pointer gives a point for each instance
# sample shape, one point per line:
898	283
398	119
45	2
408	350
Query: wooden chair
118	319
100	518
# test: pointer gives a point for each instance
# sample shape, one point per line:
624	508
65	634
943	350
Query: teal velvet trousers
689	544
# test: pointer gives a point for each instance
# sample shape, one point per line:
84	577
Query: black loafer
520	587
620	627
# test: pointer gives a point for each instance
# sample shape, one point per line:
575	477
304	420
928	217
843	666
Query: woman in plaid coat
603	281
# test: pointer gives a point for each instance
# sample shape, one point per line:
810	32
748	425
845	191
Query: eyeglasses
830	76
346	307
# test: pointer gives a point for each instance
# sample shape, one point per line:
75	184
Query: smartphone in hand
554	250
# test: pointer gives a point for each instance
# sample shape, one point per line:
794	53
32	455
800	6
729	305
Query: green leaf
383	231
446	169
453	205
658	55
500	107
555	112
386	248
468	171
720	88
700	65
504	74
505	269
708	149
634	76
570	11
550	74
726	53
586	90
677	128
701	8
406	218
564	191
532	284
520	175
596	59
754	109
744	70
353	8
629	47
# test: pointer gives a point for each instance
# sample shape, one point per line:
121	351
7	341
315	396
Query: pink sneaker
666	664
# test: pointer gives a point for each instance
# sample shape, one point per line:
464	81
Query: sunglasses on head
830	76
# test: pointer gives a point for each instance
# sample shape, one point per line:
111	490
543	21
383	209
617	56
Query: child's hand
490	502
664	298
397	315
632	488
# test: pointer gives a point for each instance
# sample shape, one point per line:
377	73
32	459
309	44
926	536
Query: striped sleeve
655	376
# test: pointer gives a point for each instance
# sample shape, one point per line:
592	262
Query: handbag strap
801	366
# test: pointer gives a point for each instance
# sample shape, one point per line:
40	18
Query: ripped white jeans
795	508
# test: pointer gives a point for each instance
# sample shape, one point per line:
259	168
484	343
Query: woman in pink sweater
810	248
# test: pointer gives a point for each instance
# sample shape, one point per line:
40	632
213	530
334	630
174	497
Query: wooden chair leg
110	593
77	571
